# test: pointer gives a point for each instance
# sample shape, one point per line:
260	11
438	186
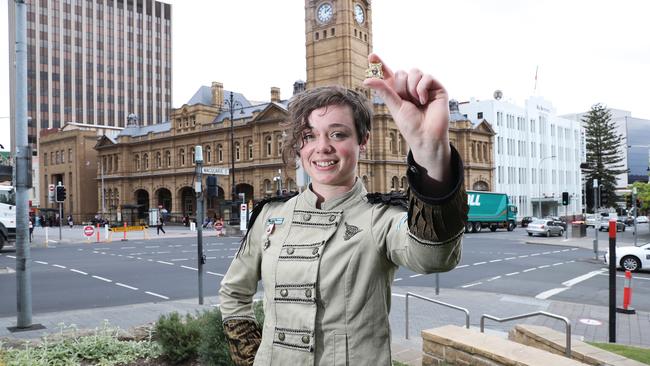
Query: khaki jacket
327	272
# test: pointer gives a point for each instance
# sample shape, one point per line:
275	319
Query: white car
632	258
642	219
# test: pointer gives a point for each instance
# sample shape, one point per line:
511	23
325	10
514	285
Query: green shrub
213	348
179	339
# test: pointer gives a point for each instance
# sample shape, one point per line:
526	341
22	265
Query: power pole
198	159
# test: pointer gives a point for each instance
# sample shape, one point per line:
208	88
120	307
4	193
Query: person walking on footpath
327	257
159	226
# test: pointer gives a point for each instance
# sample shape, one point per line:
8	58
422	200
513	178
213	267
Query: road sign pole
597	225
198	157
612	281
635	214
60	218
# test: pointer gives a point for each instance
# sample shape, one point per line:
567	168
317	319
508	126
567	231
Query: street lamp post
231	104
539	182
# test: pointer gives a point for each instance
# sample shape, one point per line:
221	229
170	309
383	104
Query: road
84	276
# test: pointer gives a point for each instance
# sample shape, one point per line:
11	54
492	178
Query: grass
633	353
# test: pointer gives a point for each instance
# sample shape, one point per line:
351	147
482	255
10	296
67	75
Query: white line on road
493	278
41	262
510	258
127	248
416	275
127	286
152	246
547	253
129	256
157	295
566	250
574	249
215	274
478	263
558	264
512	273
59	266
471	284
163	262
179	259
544	266
579	279
11	256
161	252
496	260
529	269
78	271
557	251
535	254
462	266
523	256
548	293
192	268
397	279
103	248
213	250
210	257
102	279
175	246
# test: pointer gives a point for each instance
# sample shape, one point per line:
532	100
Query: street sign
50	193
242	216
215	170
89	230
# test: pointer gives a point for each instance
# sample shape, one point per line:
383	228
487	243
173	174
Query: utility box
578	230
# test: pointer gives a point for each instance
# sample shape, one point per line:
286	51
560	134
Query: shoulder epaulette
256	211
393	198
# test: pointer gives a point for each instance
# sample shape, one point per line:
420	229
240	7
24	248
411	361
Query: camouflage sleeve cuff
244	337
437	219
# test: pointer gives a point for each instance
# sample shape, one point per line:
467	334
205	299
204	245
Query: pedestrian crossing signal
60	194
565	198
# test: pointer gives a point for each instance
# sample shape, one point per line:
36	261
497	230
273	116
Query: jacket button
332	218
281	336
305	339
314	251
284	293
308	293
306	217
290	251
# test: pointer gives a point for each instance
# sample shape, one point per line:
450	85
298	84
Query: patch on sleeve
402	221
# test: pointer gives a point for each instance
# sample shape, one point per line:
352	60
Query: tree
604	157
642	196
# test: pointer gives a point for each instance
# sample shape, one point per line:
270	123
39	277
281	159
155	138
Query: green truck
490	210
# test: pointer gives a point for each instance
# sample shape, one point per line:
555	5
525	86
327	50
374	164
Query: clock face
325	12
358	13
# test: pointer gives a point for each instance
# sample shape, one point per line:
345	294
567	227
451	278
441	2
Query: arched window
479	156
168	158
181	156
208	154
280	141
137	162
291	185
145	161
391	142
192	155
473	148
219	153
237	151
249	146
268	143
158	160
393	184
268	188
117	165
402	184
485	153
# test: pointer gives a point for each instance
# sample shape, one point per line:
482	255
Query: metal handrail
567	351
435	302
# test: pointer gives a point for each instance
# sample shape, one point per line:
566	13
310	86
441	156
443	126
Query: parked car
591	220
631	258
604	225
642	219
526	220
544	227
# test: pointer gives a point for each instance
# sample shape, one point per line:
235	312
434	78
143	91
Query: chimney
299	87
275	94
217	94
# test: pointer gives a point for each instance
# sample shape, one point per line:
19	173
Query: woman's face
330	150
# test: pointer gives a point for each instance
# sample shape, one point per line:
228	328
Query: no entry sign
89	230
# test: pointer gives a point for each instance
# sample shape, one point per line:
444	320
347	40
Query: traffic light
565	198
211	183
59	194
604	198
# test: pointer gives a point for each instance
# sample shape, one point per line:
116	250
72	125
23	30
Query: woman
327	257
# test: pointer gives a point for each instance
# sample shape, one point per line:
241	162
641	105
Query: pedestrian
31	228
70	221
327	257
159	226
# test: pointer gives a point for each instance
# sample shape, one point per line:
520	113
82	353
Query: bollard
124	239
97	228
627	295
612	281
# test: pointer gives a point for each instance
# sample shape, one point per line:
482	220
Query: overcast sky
587	51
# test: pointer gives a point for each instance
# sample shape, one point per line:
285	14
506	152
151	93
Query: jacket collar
357	192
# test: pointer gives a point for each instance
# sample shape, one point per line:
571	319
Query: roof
202	96
243	109
135	131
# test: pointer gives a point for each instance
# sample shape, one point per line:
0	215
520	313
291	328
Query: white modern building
537	154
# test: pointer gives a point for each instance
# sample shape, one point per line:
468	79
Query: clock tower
338	40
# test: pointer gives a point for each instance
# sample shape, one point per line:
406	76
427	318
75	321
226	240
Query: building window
392	143
267	186
394	183
158	160
250	149
268	144
208	154
237	151
479	115
219	153
168	158
58	157
402	184
62	157
280	141
45	160
181	156
137	162
145	161
193	155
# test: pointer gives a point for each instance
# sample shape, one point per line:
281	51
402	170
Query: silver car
545	227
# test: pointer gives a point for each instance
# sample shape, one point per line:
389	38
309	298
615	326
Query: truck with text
490	210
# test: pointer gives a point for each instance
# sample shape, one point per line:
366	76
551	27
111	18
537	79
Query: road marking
535	254
548	252
529	270
496	260
565	250
152	246
59	266
138	253
574	249
179	259
216	274
213	250
493	278
523	256
40	262
163	262
510	258
103	248
415	275
584	277
127	248
161	253
512	273
192	268
397	279
471	284
557	251
130	256
478	263
462	266
187	251
127	286
558	264
548	293
78	271
570	262
210	257
102	279
11	256
157	295
544	266
175	246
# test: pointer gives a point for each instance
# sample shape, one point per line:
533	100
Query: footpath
589	322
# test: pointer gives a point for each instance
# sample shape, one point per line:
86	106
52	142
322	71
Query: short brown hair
300	108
